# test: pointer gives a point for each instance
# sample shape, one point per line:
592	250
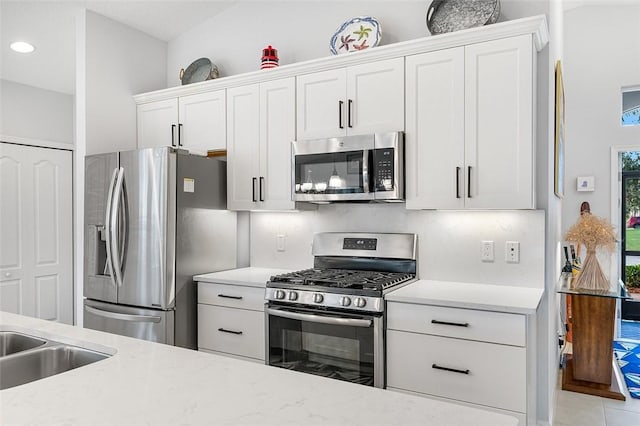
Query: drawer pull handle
453	370
456	324
232	332
230	297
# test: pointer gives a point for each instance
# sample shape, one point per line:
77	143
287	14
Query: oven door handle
351	322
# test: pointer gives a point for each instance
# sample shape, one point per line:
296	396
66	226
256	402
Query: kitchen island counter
150	383
250	276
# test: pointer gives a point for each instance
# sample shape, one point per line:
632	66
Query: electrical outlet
280	239
486	254
512	251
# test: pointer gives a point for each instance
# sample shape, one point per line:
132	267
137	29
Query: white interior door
36	248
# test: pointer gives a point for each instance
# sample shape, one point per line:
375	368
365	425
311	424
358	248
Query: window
631	108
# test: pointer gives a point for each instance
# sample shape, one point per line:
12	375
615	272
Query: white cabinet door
157	123
36	247
361	99
499	123
434	138
243	136
375	97
202	122
321	104
277	131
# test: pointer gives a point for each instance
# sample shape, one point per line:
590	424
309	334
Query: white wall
597	64
119	63
448	242
300	30
33	113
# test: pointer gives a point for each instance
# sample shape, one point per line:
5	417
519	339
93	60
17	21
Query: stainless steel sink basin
12	342
28	358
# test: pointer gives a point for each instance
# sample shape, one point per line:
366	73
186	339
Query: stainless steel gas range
329	320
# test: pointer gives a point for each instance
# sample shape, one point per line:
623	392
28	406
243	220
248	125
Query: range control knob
318	298
345	301
279	294
360	302
293	295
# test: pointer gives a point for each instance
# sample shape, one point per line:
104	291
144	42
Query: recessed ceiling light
22	47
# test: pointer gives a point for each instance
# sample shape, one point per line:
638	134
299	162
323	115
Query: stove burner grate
343	278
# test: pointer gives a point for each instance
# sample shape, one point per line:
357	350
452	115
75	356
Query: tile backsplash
449	242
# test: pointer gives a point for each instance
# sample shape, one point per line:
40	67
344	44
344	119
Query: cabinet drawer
485	326
497	374
233	296
233	331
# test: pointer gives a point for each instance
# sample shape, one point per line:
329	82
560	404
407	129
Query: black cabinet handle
457	182
173	135
469	182
179	134
457	324
253	189
261	186
230	297
229	331
349	108
340	103
453	370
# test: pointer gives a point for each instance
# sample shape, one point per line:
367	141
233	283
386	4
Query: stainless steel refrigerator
153	218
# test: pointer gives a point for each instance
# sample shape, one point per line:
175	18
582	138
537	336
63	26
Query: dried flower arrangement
593	232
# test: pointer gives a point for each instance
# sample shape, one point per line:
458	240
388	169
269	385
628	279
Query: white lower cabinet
231	320
471	356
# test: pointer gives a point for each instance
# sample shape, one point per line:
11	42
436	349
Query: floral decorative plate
356	34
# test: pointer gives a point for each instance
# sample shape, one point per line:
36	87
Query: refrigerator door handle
113	225
107	225
122	317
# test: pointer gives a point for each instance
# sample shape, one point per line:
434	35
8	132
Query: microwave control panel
383	166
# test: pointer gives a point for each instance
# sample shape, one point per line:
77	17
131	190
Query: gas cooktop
374	281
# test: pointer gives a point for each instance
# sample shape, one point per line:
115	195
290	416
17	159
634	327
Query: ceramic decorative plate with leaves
356	34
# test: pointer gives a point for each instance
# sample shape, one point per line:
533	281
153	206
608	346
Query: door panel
434	140
146	324
277	131
375	97
202	117
146	201
158	123
36	247
319	112
243	121
98	283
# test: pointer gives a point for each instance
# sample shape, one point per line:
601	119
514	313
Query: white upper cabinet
157	122
261	126
193	122
360	99
202	122
469	136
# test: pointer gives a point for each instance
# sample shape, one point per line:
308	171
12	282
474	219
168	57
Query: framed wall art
558	174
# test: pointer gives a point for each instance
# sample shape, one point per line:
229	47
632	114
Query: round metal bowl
445	16
199	70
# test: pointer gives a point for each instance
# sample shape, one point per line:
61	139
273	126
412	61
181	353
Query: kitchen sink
26	358
12	342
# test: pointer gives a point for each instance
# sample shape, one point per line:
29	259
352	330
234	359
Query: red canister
269	58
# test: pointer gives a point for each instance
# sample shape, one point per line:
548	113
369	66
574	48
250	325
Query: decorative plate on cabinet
356	34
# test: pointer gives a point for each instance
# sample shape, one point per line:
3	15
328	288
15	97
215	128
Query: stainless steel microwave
349	168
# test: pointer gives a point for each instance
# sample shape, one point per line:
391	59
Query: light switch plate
486	253
512	251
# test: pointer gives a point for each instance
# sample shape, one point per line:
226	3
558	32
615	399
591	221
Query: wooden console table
590	368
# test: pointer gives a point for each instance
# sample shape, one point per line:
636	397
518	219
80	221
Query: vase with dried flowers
593	232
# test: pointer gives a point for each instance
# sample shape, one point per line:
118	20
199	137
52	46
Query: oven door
347	347
335	169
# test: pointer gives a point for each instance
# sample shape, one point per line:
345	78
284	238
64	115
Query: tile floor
576	409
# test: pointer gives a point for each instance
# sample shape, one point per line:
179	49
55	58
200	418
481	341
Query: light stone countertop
252	277
520	300
150	383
